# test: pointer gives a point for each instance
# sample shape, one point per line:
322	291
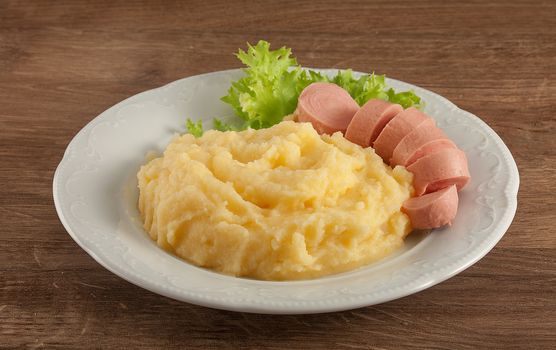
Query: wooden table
62	63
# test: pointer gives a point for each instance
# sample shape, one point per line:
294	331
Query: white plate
95	192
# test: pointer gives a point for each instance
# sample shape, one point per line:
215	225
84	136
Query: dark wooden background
64	62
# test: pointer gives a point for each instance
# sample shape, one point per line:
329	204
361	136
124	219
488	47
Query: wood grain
64	62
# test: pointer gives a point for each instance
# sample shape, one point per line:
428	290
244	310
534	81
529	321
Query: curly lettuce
194	128
269	89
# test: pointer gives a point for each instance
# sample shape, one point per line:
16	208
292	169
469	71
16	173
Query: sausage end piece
432	210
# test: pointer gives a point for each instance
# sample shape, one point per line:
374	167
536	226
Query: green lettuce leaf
195	129
406	99
269	89
362	89
221	126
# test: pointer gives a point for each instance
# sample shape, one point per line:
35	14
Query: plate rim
478	253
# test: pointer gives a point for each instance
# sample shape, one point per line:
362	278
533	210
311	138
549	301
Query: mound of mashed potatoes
282	203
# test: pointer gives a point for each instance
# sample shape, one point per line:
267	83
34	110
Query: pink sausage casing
429	148
401	125
327	106
434	209
369	121
413	142
439	170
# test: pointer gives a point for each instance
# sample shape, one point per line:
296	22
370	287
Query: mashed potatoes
277	204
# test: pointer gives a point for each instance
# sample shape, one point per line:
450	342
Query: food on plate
273	81
280	203
438	170
369	121
327	106
396	129
424	139
281	194
429	148
434	209
401	137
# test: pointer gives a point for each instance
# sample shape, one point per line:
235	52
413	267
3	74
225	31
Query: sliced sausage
412	142
327	106
369	121
439	170
429	148
432	210
401	125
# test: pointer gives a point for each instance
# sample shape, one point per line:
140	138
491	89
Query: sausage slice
369	121
439	170
401	125
429	148
434	209
410	146
327	106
